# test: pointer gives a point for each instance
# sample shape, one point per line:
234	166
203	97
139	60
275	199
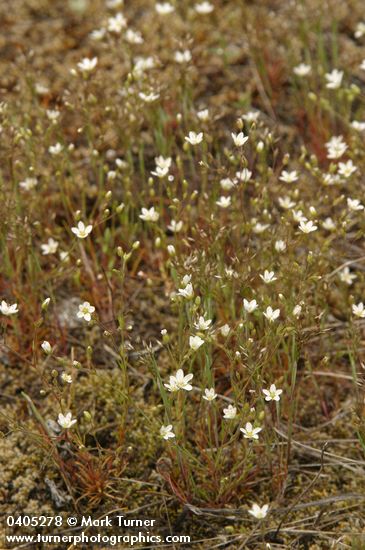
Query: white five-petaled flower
268	277
202	323
346	169
183	57
133	37
307	226
239	139
280	246
67	378
354	204
359	310
334	79
86	65
225	330
149	214
162	166
259	512
358	126
210	394
329	224
203	115
175	226
249	432
195	342
164	8
166	432
149	98
81	230
204	8
230	412
7	309
271	314
117	23
336	147
50	247
289	177
272	394
193	138
360	30
85	311
179	382
227	184
249	306
65	421
302	69
244	175
186	292
46	347
224	202
55	149
346	276
28	184
297	310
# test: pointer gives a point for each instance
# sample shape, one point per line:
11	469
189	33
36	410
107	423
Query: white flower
164	8
202	323
111	4
346	169
97	34
289	177
227	184
280	246
166	432
86	65
297	310
82	230
259	512
354	204
28	184
210	394
143	64
225	330
185	280
179	382
298	216
271	315
186	292
224	202
66	378
239	139
302	69
360	30
249	432
50	247
149	215
85	311
362	66
194	139
55	149
268	277
359	310
329	224
133	37
307	226
249	306
53	114
230	412
195	342
183	57
357	125
46	347
175	226
251	116
203	115
204	7
260	227
334	79
244	175
162	166
117	24
272	394
346	276
7	309
336	147
286	203
65	421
